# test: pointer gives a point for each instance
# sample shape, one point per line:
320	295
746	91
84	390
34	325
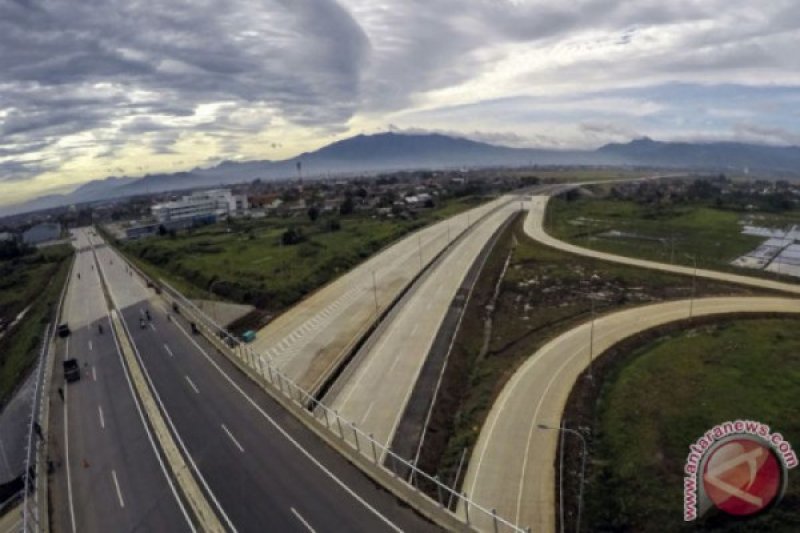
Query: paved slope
311	338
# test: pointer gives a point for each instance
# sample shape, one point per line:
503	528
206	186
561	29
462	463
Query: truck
72	370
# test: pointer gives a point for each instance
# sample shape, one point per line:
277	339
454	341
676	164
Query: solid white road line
119	492
66	349
169	351
230	435
366	413
102	420
66	460
302	520
192	385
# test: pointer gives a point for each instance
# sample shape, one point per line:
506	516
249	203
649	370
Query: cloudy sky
92	88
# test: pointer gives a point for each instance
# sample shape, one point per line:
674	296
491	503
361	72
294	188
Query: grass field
673	390
669	235
543	293
35	280
244	260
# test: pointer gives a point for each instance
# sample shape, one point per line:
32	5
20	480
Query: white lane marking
90	346
94	374
150	437
153	327
288	437
302	520
414	329
192	385
230	436
102	420
169	351
366	413
66	349
66	459
119	492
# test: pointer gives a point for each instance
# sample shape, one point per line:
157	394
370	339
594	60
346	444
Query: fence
362	445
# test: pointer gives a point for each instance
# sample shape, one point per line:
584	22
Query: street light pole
375	291
694	286
210	298
591	340
583	468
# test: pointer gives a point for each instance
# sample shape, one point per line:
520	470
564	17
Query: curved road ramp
512	466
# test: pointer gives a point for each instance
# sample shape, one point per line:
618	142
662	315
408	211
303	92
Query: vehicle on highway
63	330
72	370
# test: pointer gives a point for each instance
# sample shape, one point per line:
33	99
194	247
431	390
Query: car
72	370
63	330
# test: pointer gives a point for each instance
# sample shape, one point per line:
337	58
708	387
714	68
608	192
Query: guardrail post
466	506
355	436
438	490
339	423
494	519
374	448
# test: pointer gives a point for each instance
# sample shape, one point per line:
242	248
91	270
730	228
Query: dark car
63	330
72	371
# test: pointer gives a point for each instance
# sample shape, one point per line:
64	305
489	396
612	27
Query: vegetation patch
655	395
31	283
272	263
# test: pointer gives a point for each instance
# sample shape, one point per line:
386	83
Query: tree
348	206
313	213
292	236
162	229
334	224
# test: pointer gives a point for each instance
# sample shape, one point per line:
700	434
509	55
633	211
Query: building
5	236
48	231
201	206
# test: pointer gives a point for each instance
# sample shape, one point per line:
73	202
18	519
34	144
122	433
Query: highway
375	394
260	468
309	340
512	466
108	477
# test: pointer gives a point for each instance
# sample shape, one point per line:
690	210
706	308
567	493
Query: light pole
419	246
591	340
694	284
583	468
375	291
210	298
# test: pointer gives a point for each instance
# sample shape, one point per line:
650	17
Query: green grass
675	389
244	260
38	280
673	234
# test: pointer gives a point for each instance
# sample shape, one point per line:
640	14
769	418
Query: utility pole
591	341
375	291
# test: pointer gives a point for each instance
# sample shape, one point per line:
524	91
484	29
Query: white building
199	205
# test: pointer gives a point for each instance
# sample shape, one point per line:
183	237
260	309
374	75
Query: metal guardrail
359	442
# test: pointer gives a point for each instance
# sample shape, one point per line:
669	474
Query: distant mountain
396	151
719	155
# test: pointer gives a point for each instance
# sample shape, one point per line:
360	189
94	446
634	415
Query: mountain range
395	151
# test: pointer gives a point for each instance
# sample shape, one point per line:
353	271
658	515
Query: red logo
742	476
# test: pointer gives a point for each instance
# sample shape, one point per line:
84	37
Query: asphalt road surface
262	469
108	475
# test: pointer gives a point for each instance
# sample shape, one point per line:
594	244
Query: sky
95	88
